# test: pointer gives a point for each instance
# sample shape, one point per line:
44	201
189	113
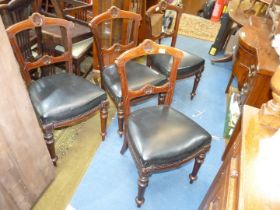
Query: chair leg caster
54	161
139	202
120	133
192	95
192	178
142	184
198	162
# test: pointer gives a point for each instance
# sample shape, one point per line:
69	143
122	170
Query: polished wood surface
241	11
251	160
108	49
25	165
256	61
237	14
243	181
112	30
37	20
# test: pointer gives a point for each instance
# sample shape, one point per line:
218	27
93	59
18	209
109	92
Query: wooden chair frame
148	47
160	8
116	49
35	21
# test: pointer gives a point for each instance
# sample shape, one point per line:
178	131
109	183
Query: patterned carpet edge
198	27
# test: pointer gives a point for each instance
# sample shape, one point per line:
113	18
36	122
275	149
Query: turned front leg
197	164
142	184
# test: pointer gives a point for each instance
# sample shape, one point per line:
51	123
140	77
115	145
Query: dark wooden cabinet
255	63
223	191
244	181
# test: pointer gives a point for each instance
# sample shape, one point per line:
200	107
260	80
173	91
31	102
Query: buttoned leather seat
190	64
63	96
177	137
137	76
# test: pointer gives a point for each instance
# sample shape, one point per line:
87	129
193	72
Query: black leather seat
177	137
63	96
137	76
159	137
59	100
189	65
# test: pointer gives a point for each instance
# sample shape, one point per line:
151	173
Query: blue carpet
111	180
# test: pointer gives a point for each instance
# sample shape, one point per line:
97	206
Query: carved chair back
163	8
43	57
148	47
110	44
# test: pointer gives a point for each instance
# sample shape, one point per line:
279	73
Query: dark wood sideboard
243	182
255	63
237	184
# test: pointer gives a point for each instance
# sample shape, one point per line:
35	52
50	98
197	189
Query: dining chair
61	99
110	45
159	138
191	64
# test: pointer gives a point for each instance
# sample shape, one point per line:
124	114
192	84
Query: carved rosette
147	45
37	19
149	89
162	5
114	11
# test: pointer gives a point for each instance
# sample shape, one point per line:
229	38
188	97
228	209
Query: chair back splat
114	46
116	31
148	47
167	29
44	58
